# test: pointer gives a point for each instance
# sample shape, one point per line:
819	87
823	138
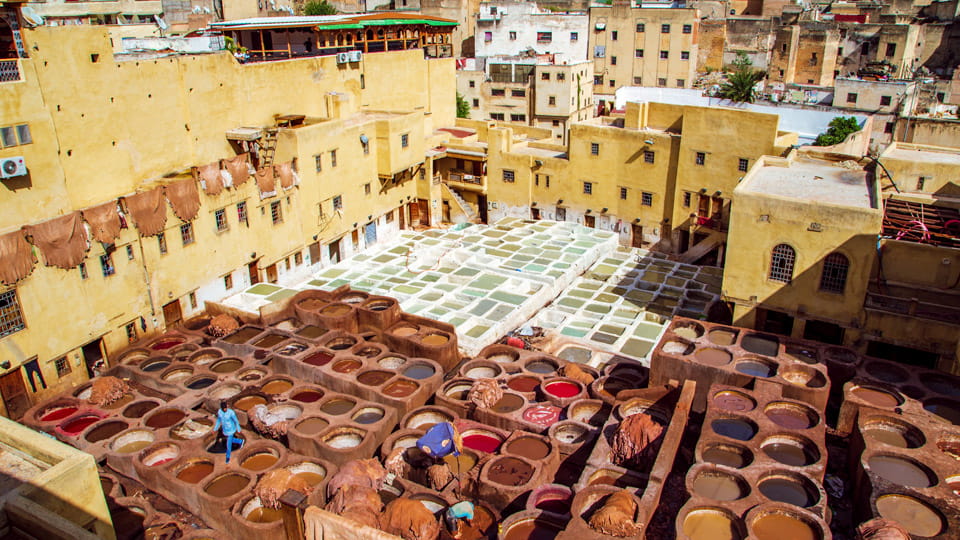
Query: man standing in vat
229	427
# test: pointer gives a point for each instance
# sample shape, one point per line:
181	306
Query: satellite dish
31	16
160	22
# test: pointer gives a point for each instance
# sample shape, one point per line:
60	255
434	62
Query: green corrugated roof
339	26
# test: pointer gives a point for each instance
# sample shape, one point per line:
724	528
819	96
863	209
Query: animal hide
573	371
104	221
107	389
62	240
396	462
184	198
266	423
485	393
275	483
410	520
16	257
359	472
210	178
882	529
222	325
239	168
359	503
439	476
288	176
636	442
616	516
147	211
267	182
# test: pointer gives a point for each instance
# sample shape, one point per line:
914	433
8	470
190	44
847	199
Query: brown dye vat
524	383
888	436
368	415
262	514
719	486
336	407
777	526
900	471
460	464
954	484
791	416
344	438
311	304
374	378
803	376
760	344
721	336
122	402
307	396
541	367
730	400
916	516
529	447
532	529
195	472
278	386
105	431
312	426
728	455
713	357
368	352
226	365
318	359
243	335
400	388
405	330
252	375
510	471
876	397
269	341
259	462
165	418
788	490
706	524
791	452
435	340
347	366
509	403
134	446
311	332
247	402
480	527
140	408
311	478
458	391
335	310
227	485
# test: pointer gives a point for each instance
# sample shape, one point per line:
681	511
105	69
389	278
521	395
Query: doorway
775	322
334	251
482	205
272	274
823	332
636	238
535	214
254	270
314	250
370	233
590	221
93	357
172	313
355	238
414	214
15	396
403	216
446	211
424	212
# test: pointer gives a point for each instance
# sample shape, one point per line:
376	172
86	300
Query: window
599	51
106	265
646	198
242	213
681	82
518	92
131	329
276	212
648	156
588	188
318	162
337	203
920	182
561	214
743	164
404	140
701	158
595	149
544	37
545	76
186	233
162	242
487	37
11	319
613	35
220	217
333	158
636	81
851	97
192	298
556	123
781	263
891	49
598	79
664	54
83	270
547	184
8	136
888	128
129	252
641	27
496	116
613	83
574	36
552	100
688	29
473	84
498	92
513	36
518	118
23	134
686	199
839	51
476	102
298	256
613	60
834	276
885	100
638	53
623	194
228	281
684	55
664	28
366	188
508	176
813	60
561	76
62	365
783	48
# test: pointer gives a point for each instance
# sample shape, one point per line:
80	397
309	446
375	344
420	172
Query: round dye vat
105	431
201	383
541	367
369	352
419	371
177	375
787	490
876	397
227	485
529	447
740	430
405	330
948	411
247	402
719	486
336	407
755	368
941	385
347	366
509	403
427	419
482	372
791	415
588	413
312	426
368	415
730	400
57	413
262	514
791	452
706	524
509	471
458	391
77	425
460	464
312	473
166	343
562	389
252	375
344	438
807	356
133	441
803	376
122	402
730	456
435	340
374	378
886	372
760	344
318	359
570	433
523	383
259	462
776	526
161	455
378	305
154	365
544	415
688	332
165	418
278	386
900	471
502	358
721	336
400	388
392	362
916	516
206	357
307	396
532	529
269	340
893	432
481	441
140	408
341	343
336	310
713	357
557	506
191	429
227	365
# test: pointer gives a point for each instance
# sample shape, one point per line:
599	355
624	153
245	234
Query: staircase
703	247
268	146
463	205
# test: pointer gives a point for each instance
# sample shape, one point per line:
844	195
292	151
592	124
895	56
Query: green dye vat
337	282
457	321
603	338
406	289
500	312
598	308
383	259
583	324
438	312
475	293
619	291
626	313
640	296
482	307
397	281
589	285
499	253
614	262
522	258
468	272
509	298
415	308
538	268
399	250
637	348
573	332
429	278
263	289
578	293
431	297
488	282
606	298
333	273
555	274
477	331
570	302
430	242
613	329
448	287
281	294
576	251
544	261
648	331
317	283
561	265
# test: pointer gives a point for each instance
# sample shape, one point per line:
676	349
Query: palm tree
740	85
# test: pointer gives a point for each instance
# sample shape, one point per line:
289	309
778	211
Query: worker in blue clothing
229	427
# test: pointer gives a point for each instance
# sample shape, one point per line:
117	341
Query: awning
465	152
244	134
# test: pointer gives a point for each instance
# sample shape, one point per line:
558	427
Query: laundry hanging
288	176
184	198
147	211
16	257
239	168
210	178
266	182
62	240
104	221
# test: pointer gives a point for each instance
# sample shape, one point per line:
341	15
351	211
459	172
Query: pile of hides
410	520
439	476
396	462
266	423
636	442
573	371
62	240
16	258
616	516
882	529
105	390
275	483
184	199
485	393
222	325
359	503
104	221
359	472
147	211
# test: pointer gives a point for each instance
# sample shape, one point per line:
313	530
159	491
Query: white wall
527	20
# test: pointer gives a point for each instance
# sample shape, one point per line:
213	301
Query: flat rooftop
814	180
924	154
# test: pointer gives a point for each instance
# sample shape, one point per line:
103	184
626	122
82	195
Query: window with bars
781	263
186	233
595	149
508	176
106	265
646	198
743	164
228	281
688	29
638	53
298	258
648	156
242	213
276	212
11	318
366	188
333	158
623	193
701	158
588	188
192	298
162	243
404	140
834	276
62	365
664	28
641	27
220	217
131	330
337	203
130	253
686	199
318	162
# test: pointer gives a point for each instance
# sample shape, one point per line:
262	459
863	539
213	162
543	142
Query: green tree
319	7
463	108
740	83
837	131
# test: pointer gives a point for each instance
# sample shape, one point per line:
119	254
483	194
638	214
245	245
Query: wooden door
334	249
14	394
254	270
414	213
172	313
272	273
355	237
535	213
93	357
314	249
424	212
403	216
637	237
590	221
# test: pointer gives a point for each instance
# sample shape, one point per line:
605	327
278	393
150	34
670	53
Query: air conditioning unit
10	167
343	58
355	56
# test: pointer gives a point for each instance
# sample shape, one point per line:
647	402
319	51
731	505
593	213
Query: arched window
781	263
834	276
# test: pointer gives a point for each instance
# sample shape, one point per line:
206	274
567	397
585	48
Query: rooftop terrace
813	180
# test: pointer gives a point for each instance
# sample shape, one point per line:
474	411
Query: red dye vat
58	414
482	443
160	462
542	414
74	427
166	344
557	506
318	359
524	384
563	389
308	396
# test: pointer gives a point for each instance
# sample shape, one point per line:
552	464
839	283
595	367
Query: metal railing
10	70
466	178
913	308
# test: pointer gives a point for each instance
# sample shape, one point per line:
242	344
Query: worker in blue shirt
229	427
